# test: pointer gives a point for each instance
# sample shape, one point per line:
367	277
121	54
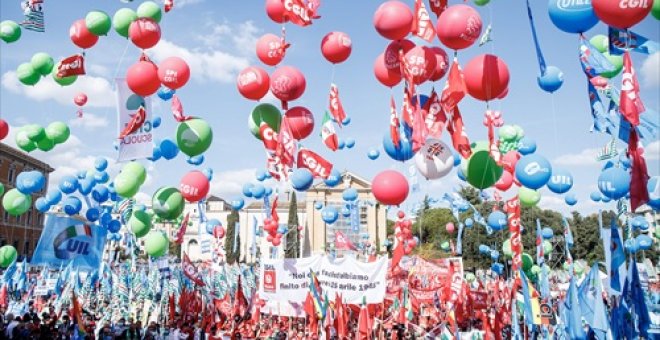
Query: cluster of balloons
299	119
580	16
510	137
41	64
274	231
145	78
32	136
403	233
128	182
256	191
17	201
10	31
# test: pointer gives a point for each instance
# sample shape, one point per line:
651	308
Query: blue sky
217	38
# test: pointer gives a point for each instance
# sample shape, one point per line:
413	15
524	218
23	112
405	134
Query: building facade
22	231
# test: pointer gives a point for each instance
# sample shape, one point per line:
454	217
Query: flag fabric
539	243
455	89
168	5
591	303
191	271
539	53
621	41
633	297
435	118
630	104
485	38
273	210
236	232
571	312
365	323
602	122
301	13
182	229
437	6
177	110
71	66
617	256
335	107
513	211
328	133
318	165
397	254
240	301
316	293
286	144
34	15
310	310
568	234
592	61
639	176
408	108
137	119
419	129
493	119
459	137
341	319
76	315
342	242
608	151
394	124
422	25
532	307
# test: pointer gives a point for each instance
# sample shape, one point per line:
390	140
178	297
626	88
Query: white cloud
584	158
652	151
228	184
143	198
240	37
551	202
650	71
89	121
99	90
98	70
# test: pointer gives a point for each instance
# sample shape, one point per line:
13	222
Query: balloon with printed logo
266	113
16	203
644	242
301	122
167	203
62	81
459	26
253	83
622	14
237	204
81	36
122	20
486	77
194	136
156	243
533	171
68	184
386	76
336	47
551	80
287	83
420	62
434	160
270	49
27	75
614	183
140	223
8	255
42	63
441	63
392	54
329	214
80	99
98	22
92	215
173	72
497	220
334	179
194	186
71	205
561	181
393	20
150	9
142	78
301	179
10	31
42	205
653	187
144	33
401	153
572	16
528	197
526	146
100	193
275	11
390	187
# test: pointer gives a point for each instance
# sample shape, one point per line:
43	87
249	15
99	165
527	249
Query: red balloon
194	186
173	72
622	14
505	181
391	54
270	50
503	94
450	227
400	214
144	33
459	26
406	224
441	63
287	83
420	63
81	36
269	238
219	231
509	160
336	47
253	83
4	129
390	187
80	99
393	20
277	241
301	122
142	78
275	11
486	77
384	75
412	243
300	228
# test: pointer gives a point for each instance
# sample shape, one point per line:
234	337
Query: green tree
232	256
292	239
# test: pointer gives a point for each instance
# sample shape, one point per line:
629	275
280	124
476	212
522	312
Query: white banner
140	143
284	284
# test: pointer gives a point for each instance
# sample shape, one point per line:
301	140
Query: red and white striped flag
335	107
422	25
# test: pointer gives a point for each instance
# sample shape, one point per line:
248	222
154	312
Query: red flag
273	211
419	132
300	13
315	163
437	6
394	124
342	242
276	168
71	66
191	271
309	308
639	173
240	301
268	136
513	210
336	108
76	313
459	138
454	90
135	124
172	307
406	74
397	255
169	4
407	108
182	229
422	25
631	104
341	319
177	110
364	323
435	118
286	144
493	119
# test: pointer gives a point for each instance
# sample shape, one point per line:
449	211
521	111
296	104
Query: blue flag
591	303
527	306
66	240
602	121
572	313
633	297
539	53
593	62
622	40
617	257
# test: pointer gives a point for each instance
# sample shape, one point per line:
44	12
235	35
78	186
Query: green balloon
59	132
167	203
10	31
617	61
536	270
27	74
42	63
64	81
135	169
126	185
267	113
507	133
8	255
445	246
506	248
2	189
547	247
600	42
481	2
528	197
35	132
24	142
140	223
520	133
482	170
469	277
527	262
122	21
46	144
194	137
156	243
149	9
15	202
655	11
98	22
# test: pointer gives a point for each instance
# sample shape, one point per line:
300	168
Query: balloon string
554	117
332	77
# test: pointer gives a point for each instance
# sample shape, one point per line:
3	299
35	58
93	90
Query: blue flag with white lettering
66	240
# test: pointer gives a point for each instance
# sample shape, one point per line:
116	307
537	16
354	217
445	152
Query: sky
217	39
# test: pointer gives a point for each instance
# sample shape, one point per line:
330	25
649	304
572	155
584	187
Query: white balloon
435	159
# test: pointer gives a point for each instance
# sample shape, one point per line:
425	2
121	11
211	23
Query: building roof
213	198
29	160
361	181
280	206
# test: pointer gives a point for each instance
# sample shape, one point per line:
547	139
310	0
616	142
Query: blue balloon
247	189
570	199
572	16
301	179
350	143
72	205
100	193
260	175
81	174
334	178
497	220
373	154
100	164
595	196
156	121
494	255
168	149
484	249
269	191
533	171
258	191
92	214
29	182
605	199
653	187
114	197
625	161
318	205
345	212
105	218
101	177
469	222
457	158
526	146
401	153
497	267
208	172
561	181
196	160
349	194
341	145
329	214
461	174
114	226
282	229
41	204
156	153
53	197
547	233
68	184
238	204
211	224
85	186
631	245
165	93
614	183
346	121
644	242
640	223
552	80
